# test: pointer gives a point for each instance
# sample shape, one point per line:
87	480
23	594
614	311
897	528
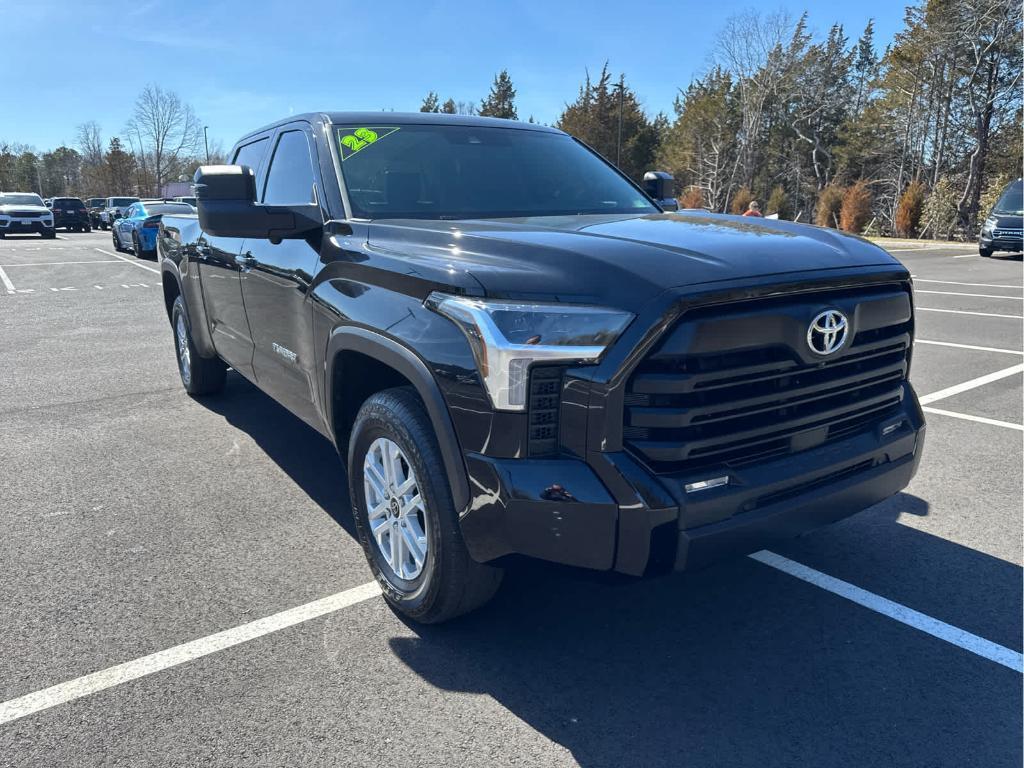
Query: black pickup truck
518	352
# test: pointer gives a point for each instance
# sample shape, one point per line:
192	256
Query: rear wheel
404	514
199	375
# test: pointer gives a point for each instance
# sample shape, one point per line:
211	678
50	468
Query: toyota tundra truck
518	352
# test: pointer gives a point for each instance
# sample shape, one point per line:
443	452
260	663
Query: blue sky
242	64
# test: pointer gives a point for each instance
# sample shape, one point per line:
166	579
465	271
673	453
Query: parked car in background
71	214
190	200
95	205
136	230
23	213
115	209
1002	228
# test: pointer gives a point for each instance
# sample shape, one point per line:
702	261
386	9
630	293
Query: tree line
915	139
163	141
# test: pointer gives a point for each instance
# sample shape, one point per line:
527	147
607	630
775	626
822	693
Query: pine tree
449	107
500	102
431	103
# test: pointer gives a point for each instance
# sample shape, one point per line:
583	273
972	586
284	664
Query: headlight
507	337
989	224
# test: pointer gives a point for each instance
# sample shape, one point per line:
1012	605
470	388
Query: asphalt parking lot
137	520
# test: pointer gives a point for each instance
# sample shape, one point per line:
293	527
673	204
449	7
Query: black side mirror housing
659	186
226	201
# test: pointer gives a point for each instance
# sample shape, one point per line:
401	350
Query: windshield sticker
360	138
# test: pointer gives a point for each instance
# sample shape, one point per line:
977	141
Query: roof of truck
404	118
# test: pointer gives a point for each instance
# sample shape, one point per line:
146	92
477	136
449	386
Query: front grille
1014	233
731	385
545	398
25	214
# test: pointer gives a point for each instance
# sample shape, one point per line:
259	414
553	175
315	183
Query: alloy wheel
184	356
395	509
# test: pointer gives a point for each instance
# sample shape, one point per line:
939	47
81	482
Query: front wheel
404	514
199	375
984	252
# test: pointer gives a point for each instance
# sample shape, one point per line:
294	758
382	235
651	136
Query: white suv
22	212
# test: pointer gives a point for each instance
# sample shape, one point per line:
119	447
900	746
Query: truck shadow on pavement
743	665
736	665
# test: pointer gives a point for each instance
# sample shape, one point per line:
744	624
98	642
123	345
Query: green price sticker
360	138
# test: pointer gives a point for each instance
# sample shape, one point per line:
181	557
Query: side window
290	179
251	154
131	211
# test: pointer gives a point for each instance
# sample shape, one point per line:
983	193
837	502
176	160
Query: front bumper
563	510
1002	243
26	226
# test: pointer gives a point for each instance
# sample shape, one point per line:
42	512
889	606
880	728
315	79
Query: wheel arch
388	353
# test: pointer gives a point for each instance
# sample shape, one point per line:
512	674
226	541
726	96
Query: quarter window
290	179
251	154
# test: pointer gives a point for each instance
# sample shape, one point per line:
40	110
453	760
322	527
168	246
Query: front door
222	288
276	280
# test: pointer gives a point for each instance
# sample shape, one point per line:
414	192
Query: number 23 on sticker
359	138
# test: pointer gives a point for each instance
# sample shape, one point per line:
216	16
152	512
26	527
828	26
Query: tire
117	242
87	228
103	226
51	235
135	245
985	252
199	375
448	582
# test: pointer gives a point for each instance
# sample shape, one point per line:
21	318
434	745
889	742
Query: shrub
940	216
778	202
856	209
991	194
908	211
830	202
741	200
693	197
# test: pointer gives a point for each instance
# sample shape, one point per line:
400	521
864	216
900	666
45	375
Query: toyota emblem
827	332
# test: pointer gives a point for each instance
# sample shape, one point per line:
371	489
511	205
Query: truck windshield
462	172
118	202
1012	200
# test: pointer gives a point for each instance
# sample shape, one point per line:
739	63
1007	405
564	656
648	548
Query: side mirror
659	185
226	200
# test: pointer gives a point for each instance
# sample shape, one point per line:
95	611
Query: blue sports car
136	230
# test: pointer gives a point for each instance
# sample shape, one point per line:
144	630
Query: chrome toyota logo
827	332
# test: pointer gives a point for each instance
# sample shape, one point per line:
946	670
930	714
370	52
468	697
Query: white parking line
979	295
956	389
180	654
60	263
969	417
973	285
963	312
6	281
901	613
969	346
129	261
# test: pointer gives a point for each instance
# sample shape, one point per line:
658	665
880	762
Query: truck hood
627	259
8	209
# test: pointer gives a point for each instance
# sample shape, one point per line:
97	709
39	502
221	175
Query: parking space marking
969	417
129	261
956	389
896	611
59	263
979	295
973	285
6	281
969	346
964	312
87	685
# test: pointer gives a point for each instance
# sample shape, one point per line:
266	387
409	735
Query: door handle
245	260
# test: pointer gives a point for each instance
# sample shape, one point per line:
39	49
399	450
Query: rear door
219	271
277	277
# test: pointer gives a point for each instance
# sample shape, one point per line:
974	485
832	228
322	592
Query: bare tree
167	131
